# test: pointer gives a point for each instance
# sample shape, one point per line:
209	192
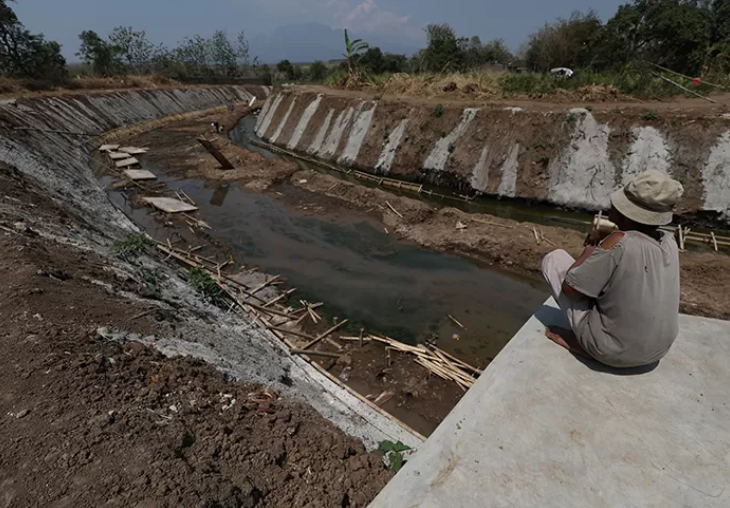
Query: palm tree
354	51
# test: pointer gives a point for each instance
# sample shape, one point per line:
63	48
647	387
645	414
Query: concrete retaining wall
60	163
573	158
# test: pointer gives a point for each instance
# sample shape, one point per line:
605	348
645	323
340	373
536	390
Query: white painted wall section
304	122
480	175
285	119
648	151
387	156
360	128
440	154
338	130
508	183
266	118
716	177
583	176
316	145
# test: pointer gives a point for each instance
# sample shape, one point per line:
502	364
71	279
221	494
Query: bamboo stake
394	210
456	360
293	332
683	88
452	318
267	283
326	334
315	353
714	241
280	297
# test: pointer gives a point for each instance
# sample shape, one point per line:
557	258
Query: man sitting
621	296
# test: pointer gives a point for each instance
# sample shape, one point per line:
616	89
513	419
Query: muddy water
363	274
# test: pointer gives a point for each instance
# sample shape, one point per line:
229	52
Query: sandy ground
89	422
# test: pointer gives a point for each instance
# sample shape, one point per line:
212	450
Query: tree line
687	36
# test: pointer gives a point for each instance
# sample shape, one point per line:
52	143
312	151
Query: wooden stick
315	353
683	88
457	322
267	283
293	332
190	200
714	241
285	294
325	334
681	238
396	211
456	360
537	238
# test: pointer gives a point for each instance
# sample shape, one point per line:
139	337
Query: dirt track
88	422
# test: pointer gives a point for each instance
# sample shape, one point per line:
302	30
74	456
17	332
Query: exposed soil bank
567	157
88	422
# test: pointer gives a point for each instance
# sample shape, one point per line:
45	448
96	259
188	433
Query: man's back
635	285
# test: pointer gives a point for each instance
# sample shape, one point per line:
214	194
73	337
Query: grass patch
651	116
132	246
438	112
207	286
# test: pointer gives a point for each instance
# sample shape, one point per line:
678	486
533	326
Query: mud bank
570	157
59	166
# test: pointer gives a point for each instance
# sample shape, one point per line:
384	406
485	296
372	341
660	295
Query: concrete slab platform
115	156
127	162
133	150
139	174
543	429
170	205
108	148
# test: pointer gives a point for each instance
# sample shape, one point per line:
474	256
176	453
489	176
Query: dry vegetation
485	86
20	86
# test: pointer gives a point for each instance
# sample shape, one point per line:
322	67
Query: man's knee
557	260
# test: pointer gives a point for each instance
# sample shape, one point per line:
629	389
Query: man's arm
610	242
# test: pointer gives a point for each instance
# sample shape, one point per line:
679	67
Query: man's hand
593	238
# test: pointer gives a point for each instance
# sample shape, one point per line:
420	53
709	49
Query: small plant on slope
393	454
206	285
132	246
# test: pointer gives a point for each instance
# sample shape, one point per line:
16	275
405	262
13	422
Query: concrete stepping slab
139	174
170	205
133	150
108	148
127	162
115	156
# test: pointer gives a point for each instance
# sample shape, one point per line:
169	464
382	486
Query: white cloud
365	16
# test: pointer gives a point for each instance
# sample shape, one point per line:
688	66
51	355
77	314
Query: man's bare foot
566	339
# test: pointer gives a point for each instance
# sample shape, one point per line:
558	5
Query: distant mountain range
307	42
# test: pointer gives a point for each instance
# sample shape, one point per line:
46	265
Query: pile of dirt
29	86
88	422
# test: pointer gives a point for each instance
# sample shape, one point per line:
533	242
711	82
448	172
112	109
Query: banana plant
354	51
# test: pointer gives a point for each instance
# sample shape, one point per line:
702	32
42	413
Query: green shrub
132	246
207	286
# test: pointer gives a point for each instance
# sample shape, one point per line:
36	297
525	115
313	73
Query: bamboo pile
435	360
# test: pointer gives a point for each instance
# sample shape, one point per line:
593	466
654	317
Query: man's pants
555	267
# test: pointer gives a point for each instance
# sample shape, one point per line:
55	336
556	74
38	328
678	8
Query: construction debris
117	156
108	148
211	148
170	205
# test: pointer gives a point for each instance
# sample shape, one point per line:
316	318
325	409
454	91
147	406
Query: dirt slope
85	422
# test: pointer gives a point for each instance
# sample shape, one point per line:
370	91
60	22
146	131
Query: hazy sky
168	21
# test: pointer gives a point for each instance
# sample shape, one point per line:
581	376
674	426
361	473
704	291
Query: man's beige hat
649	199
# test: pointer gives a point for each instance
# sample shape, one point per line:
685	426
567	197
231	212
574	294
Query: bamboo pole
683	88
325	334
315	353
